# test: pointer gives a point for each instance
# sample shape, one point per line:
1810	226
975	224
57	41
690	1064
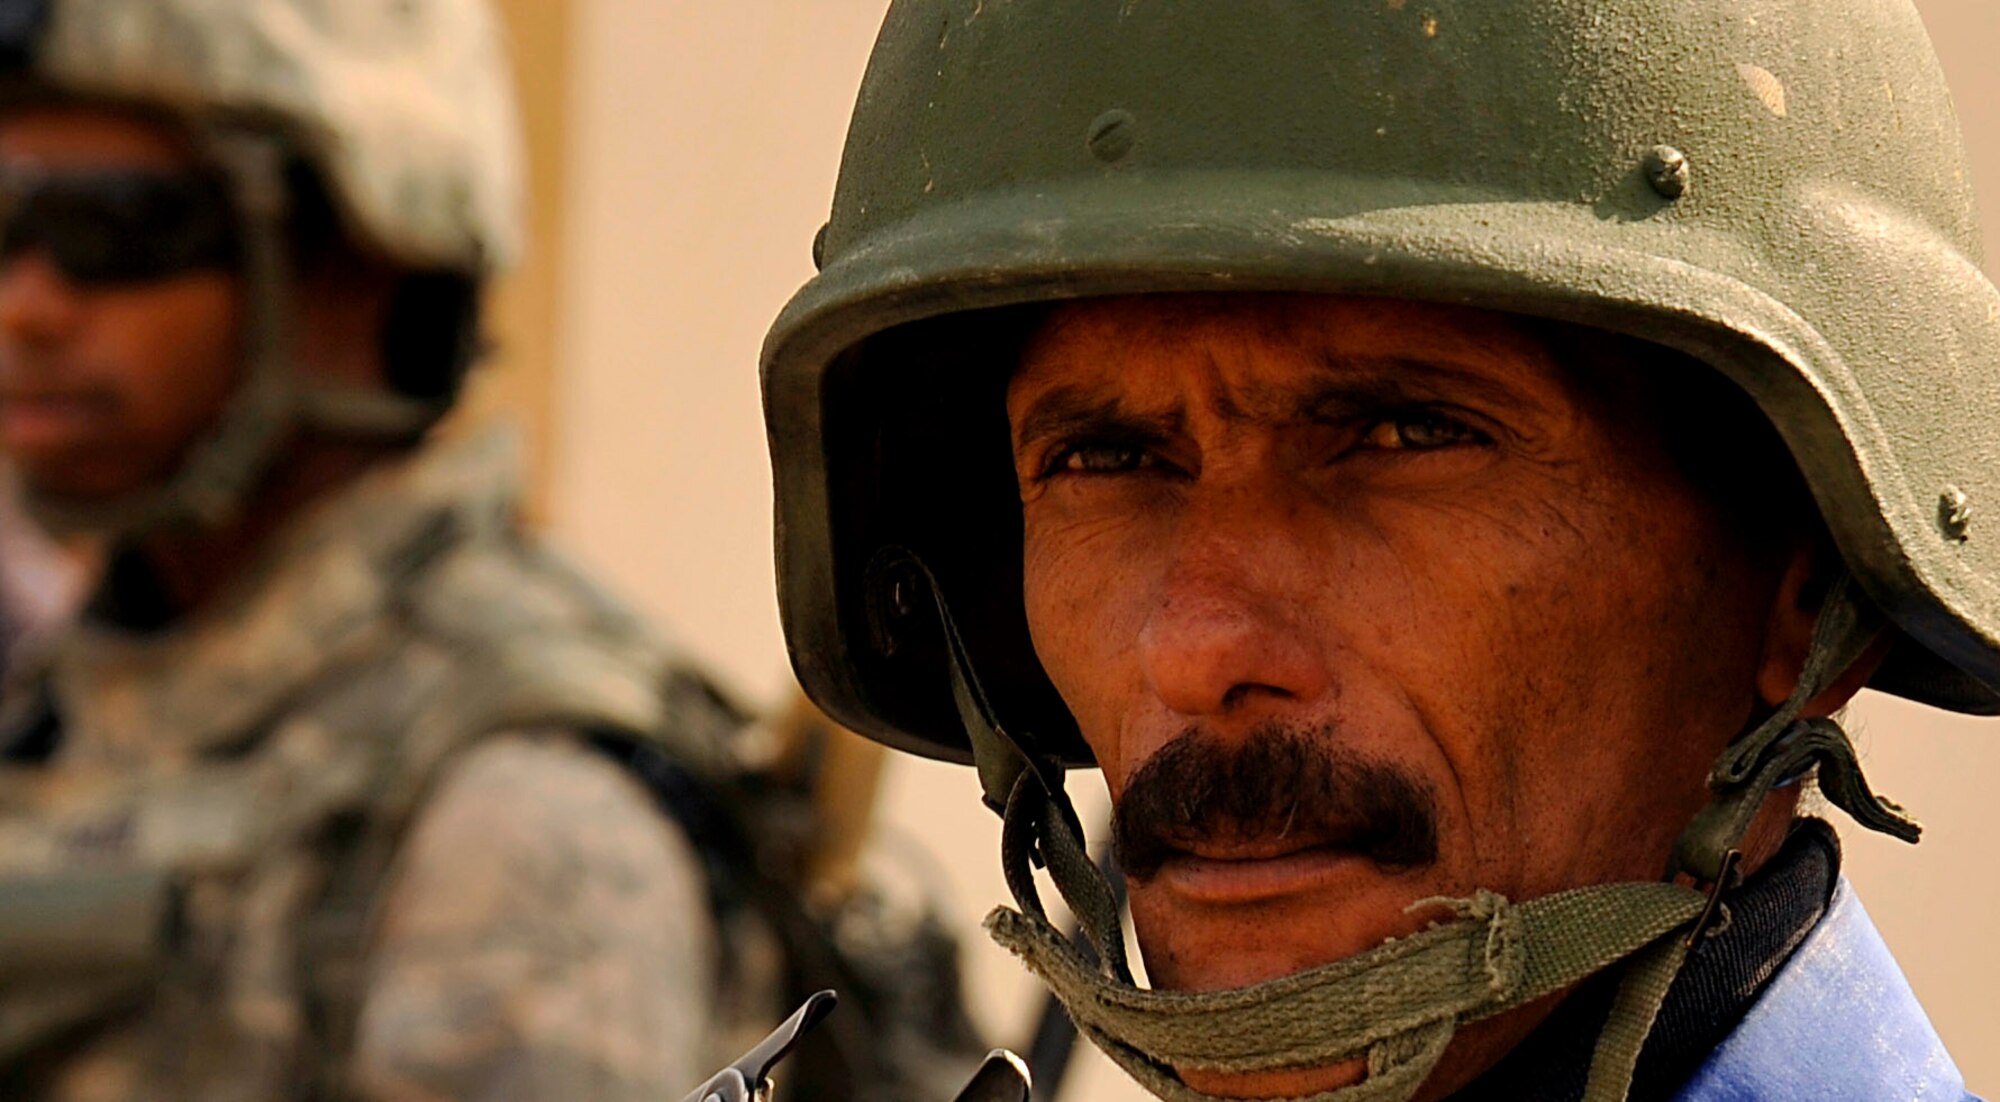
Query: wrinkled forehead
1261	355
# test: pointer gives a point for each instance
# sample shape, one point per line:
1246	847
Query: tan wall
525	311
702	146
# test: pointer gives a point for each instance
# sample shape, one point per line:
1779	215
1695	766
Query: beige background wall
698	157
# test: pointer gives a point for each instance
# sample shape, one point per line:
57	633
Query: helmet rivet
901	603
1112	135
1668	171
1955	514
819	247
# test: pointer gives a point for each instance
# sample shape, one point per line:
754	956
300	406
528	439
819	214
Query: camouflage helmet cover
1777	187
404	106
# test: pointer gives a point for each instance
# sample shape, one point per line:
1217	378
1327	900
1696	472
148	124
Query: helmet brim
1654	278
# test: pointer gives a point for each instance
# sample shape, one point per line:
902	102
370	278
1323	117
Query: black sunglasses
103	227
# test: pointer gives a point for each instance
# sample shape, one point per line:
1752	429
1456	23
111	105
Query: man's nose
38	303
1233	629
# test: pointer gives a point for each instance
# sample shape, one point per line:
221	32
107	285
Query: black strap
22	25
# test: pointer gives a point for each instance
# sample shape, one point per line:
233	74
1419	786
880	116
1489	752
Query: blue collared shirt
1837	1024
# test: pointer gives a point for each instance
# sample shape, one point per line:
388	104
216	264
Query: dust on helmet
1776	189
1779	189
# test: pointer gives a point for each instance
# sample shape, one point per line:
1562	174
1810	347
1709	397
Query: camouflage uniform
542	932
370	822
384	819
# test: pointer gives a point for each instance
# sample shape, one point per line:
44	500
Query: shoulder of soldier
530	790
543	917
516	607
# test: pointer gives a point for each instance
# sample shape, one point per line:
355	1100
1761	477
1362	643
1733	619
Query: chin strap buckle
1000	757
1714	917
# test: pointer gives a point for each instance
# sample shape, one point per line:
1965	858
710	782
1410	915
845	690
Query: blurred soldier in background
341	787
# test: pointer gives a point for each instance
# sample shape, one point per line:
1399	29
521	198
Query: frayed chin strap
1398	1006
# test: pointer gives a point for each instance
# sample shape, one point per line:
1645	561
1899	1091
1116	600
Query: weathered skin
1397	535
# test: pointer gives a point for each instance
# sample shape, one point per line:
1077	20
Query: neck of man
191	565
1482	1045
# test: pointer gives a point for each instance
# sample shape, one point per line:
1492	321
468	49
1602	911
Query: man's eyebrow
1359	383
1069	411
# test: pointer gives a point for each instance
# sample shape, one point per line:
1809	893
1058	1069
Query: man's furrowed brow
1351	384
1066	412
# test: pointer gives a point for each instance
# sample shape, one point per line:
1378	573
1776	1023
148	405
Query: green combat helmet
403	110
1776	188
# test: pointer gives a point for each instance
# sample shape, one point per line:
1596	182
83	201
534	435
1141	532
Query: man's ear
1794	613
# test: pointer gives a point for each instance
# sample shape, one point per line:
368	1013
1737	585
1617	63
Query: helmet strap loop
220	474
1039	825
368	413
1000	757
1035	830
1780	751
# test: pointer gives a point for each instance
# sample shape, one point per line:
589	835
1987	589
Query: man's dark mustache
1276	782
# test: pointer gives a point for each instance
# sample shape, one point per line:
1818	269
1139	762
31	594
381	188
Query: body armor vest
189	902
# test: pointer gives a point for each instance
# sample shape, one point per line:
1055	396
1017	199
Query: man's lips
35	420
1250	874
1246	870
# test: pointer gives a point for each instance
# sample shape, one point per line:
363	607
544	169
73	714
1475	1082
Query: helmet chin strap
272	401
1778	752
1396	1008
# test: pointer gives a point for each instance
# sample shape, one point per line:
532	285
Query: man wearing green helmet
343	787
1448	464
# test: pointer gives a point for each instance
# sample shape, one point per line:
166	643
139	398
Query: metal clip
1715	909
749	1078
1002	1078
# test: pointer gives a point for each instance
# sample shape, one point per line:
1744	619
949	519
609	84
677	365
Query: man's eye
1420	432
1102	459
